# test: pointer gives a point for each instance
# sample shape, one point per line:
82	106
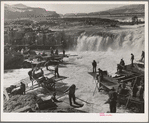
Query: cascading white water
126	40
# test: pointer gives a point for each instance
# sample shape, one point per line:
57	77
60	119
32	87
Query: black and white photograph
74	61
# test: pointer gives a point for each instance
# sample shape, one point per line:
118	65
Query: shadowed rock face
13	61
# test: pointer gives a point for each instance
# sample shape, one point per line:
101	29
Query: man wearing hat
112	100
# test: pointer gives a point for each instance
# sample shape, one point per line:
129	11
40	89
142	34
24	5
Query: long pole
95	86
76	98
130	95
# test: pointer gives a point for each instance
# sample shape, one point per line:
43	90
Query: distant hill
23	11
20	6
127	9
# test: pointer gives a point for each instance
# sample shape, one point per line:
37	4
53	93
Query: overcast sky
69	7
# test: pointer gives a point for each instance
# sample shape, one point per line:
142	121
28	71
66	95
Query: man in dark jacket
56	71
94	64
63	52
132	58
142	55
30	73
22	87
112	100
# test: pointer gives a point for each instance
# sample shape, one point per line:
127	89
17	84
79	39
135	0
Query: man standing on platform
56	71
132	58
94	64
22	87
142	56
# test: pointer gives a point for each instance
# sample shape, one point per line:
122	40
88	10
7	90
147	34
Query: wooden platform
109	82
127	75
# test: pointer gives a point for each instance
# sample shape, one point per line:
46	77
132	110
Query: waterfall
126	40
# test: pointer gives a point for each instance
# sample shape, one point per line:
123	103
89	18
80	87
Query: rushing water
132	40
14	76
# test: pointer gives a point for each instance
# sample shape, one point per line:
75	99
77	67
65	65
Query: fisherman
47	64
54	98
38	74
51	51
63	52
56	71
30	73
101	75
135	90
100	78
94	64
22	88
71	90
43	53
123	91
132	58
141	92
122	62
142	56
112	100
56	51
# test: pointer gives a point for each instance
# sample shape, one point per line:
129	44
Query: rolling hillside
22	11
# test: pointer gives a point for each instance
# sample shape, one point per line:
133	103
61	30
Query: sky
70	7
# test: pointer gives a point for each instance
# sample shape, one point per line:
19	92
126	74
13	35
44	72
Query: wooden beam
125	80
110	79
121	77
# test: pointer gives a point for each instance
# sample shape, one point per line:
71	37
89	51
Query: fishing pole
95	86
76	98
84	101
130	95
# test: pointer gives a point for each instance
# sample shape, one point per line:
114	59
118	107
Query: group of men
112	93
122	63
70	90
141	60
37	72
56	52
52	51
